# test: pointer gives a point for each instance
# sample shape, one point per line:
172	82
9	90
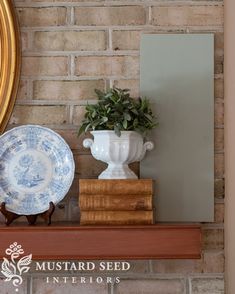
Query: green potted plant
119	124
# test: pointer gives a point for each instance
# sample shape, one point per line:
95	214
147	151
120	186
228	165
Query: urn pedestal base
115	171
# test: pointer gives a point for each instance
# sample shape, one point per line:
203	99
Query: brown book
141	186
116	218
115	202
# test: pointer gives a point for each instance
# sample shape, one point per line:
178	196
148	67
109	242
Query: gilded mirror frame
9	61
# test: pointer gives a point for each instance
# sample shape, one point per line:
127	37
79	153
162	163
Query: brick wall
71	47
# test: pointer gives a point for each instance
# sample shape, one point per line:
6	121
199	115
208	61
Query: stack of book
116	202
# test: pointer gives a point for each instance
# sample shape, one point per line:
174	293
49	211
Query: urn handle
87	143
148	146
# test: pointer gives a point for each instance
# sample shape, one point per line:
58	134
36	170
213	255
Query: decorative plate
36	167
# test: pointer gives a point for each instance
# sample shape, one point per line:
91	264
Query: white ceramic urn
117	152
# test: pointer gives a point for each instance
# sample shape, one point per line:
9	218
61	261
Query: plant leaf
124	123
117	110
87	127
127	116
104	119
81	130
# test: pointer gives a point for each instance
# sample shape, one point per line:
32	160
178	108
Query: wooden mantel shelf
107	242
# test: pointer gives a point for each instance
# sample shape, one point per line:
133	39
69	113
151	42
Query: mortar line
142	3
190	285
30	40
219	200
72	66
80	53
151	266
30	90
77	78
110	39
149	20
157	28
212	226
70	114
29	285
72	16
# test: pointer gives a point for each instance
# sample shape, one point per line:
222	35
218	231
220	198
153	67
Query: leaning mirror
9	61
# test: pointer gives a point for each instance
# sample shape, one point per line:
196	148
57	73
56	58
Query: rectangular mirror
177	74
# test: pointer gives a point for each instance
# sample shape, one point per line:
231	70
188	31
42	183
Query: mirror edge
10	60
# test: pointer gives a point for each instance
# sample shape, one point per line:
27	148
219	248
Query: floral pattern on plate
36	167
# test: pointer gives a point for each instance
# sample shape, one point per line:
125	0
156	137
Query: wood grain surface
106	242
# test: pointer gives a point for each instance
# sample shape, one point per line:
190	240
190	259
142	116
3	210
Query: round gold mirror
9	61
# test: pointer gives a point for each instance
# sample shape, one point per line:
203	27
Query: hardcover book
115	202
116	217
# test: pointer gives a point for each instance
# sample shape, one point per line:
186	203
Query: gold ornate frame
9	61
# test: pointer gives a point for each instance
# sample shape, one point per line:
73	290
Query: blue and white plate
36	167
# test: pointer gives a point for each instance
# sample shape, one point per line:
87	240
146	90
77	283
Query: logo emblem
13	268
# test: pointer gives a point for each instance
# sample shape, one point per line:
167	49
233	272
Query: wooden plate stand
11	216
